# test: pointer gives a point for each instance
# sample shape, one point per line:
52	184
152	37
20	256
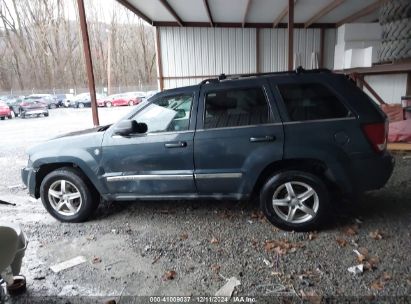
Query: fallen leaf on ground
341	242
376	235
377	285
281	246
360	257
386	276
351	230
311	296
371	263
169	275
183	236
96	260
214	240
312	235
215	268
254	243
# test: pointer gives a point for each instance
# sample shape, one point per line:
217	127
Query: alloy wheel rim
64	197
295	202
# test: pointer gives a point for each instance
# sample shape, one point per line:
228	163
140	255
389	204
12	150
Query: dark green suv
295	139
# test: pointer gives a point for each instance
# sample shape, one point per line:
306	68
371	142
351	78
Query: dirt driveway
189	248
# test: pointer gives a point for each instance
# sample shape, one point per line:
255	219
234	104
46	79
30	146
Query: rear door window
236	107
311	101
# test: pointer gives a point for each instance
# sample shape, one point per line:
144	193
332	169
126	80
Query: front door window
167	114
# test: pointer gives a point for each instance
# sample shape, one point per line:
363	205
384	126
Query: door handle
178	144
262	139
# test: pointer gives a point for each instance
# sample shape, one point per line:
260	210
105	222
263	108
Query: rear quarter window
311	101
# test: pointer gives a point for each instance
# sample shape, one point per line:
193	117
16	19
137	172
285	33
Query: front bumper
28	175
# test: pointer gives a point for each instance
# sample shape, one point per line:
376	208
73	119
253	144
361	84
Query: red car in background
5	111
125	99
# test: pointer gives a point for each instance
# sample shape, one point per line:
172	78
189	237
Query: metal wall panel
197	52
206	51
389	87
273	48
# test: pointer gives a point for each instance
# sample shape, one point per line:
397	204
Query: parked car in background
62	99
48	99
83	100
5	111
14	104
33	106
124	99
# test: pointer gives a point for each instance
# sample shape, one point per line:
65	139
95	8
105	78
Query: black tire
89	200
108	104
395	50
397	30
2	118
46	114
395	10
80	105
319	200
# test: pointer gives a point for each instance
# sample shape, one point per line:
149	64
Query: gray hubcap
295	202
65	197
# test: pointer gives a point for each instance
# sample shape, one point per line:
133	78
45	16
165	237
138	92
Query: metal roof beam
135	10
238	24
363	12
172	12
322	12
247	7
207	7
280	17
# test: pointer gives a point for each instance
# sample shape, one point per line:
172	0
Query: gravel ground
130	247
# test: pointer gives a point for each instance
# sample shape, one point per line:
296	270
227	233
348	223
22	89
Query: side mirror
129	126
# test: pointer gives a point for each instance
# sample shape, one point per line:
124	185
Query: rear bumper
28	175
373	172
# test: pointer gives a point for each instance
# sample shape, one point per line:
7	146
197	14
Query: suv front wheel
295	200
66	195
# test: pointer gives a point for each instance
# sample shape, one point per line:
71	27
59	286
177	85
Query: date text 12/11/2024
202	299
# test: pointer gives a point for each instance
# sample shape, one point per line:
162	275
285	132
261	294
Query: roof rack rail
298	70
209	80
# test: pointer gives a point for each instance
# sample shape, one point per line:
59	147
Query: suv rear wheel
66	195
295	200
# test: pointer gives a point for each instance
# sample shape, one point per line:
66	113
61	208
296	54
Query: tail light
377	134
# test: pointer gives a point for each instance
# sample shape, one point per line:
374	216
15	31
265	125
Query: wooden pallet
399	147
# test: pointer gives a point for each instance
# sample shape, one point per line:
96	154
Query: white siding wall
389	87
212	51
206	52
274	43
